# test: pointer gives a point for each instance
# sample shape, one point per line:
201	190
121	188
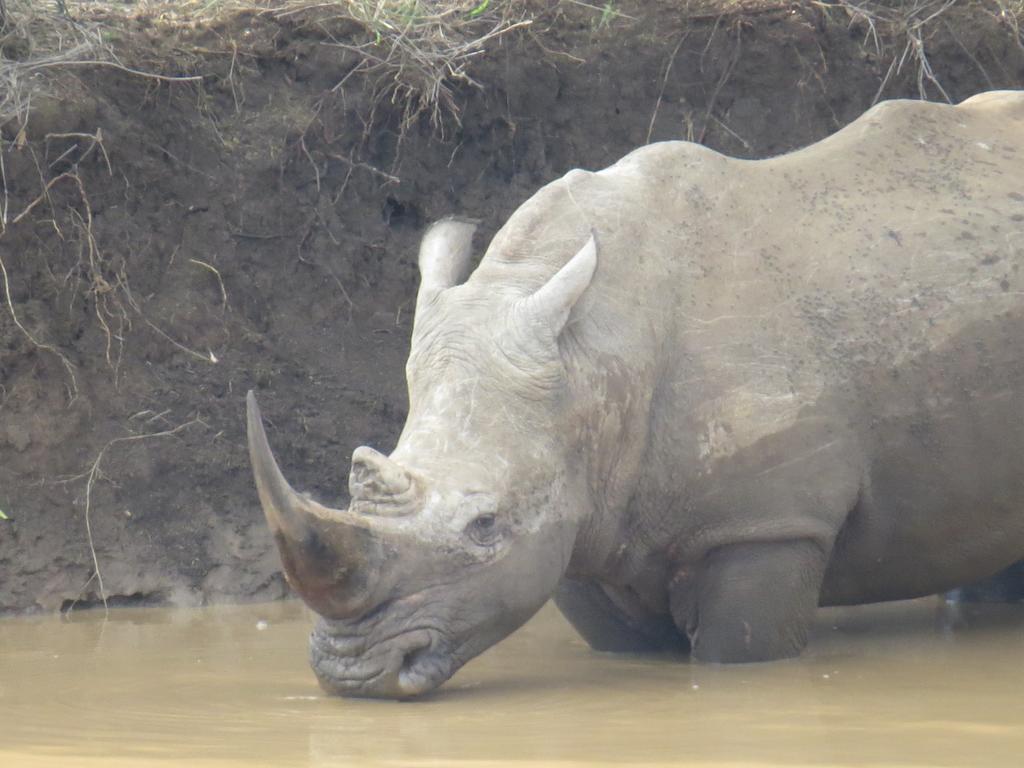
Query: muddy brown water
912	684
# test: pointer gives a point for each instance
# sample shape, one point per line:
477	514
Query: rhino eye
484	529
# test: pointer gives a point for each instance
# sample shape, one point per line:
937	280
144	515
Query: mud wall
258	230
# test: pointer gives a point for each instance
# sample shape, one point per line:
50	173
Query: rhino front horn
330	559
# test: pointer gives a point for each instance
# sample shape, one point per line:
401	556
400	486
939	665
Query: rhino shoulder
652	161
1003	104
561	214
920	142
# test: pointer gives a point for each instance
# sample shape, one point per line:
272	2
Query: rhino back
863	249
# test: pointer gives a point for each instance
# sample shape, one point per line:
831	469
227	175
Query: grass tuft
416	52
35	38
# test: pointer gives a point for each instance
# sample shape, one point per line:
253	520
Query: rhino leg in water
613	622
750	602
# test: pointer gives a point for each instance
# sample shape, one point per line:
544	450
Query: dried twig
96	139
99	63
209	357
68	365
65	361
664	83
341	287
388	177
220	282
905	27
44	195
90	476
722	80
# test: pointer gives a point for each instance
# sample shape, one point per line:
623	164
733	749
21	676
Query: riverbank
203	198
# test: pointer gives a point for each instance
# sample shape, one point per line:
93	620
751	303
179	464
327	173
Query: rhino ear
378	485
551	304
444	257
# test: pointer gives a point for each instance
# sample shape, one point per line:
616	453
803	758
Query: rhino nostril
410	658
417	652
421	671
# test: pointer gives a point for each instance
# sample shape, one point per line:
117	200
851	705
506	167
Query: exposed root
902	31
94	473
419	51
1011	13
96	140
90	273
108	305
38	40
967	52
115	65
220	282
723	77
209	357
65	361
388	177
341	288
664	83
68	365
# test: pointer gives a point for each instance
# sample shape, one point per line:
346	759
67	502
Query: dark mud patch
259	232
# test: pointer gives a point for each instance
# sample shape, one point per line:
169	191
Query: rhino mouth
350	661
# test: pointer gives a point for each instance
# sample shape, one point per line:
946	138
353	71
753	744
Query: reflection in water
909	684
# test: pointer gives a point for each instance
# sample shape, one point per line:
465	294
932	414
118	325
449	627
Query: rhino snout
398	667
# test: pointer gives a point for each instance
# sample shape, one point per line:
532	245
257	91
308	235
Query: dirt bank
170	243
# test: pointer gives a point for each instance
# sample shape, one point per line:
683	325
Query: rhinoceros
692	398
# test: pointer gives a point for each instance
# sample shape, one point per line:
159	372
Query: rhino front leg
749	602
607	621
1007	586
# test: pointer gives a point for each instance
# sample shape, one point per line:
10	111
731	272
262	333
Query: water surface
911	684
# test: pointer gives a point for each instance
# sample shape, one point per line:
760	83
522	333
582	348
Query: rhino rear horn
330	558
551	304
379	486
444	257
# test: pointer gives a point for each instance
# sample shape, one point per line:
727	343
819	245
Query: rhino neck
612	399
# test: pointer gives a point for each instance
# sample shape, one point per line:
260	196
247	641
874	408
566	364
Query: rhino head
462	533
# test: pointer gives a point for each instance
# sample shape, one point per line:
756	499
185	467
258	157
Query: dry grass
417	53
414	52
41	39
1010	13
902	31
35	37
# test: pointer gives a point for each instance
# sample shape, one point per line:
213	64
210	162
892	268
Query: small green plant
607	14
3	516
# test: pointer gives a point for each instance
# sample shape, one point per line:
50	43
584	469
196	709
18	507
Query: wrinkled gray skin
693	398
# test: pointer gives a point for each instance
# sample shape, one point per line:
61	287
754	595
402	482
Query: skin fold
692	398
